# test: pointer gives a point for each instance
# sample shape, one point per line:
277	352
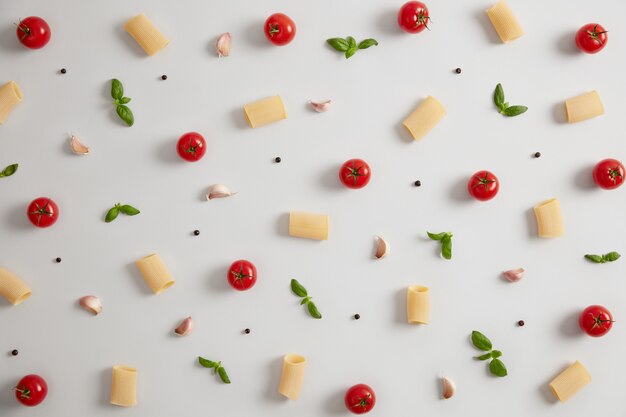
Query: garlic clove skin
77	147
449	388
381	248
185	327
222	45
514	275
218	191
320	106
91	303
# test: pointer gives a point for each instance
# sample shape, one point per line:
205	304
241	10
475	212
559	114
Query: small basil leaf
483	357
351	52
514	111
123	100
223	375
446	247
298	289
338	44
351	42
305	300
129	210
207	363
313	310
496	354
125	114
367	43
112	214
437	236
117	90
498	96
611	256
497	368
595	258
481	341
10	170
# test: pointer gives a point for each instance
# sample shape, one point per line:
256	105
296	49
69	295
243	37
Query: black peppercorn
196	232
537	154
58	260
357	316
247	331
164	77
277	159
458	70
520	323
418	183
63	70
14	352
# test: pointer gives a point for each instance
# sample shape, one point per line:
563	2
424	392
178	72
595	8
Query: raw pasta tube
146	34
265	111
12	288
424	118
124	386
583	107
308	225
570	381
10	97
418	304
549	218
504	22
293	376
155	273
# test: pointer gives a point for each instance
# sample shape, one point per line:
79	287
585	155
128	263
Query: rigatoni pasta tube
155	273
146	34
292	376
418	304
308	225
265	111
570	381
424	118
10	97
583	107
549	218
504	22
12	288
124	386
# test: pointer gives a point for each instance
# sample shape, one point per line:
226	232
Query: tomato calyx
363	402
41	211
23	28
192	149
422	19
355	174
483	181
273	29
240	276
595	34
24	392
614	174
599	322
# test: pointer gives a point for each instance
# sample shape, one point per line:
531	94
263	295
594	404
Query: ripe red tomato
595	320
483	186
355	173
413	17
43	212
360	399
33	32
280	29
191	146
608	174
242	275
31	390
591	38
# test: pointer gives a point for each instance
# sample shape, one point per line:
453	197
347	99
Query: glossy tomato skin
279	29
191	146
242	275
595	320
591	38
355	173
483	185
33	32
43	212
413	17
608	174
360	399
31	390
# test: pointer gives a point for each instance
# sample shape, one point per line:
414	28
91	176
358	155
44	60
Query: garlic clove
381	248
77	147
218	191
185	327
320	106
449	388
222	45
514	275
91	303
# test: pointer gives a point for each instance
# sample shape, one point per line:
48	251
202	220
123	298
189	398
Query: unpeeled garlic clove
381	248
514	275
222	46
320	106
77	147
91	303
449	388
218	191
185	327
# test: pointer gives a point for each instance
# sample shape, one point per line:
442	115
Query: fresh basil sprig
8	171
119	208
300	291
217	368
503	106
349	45
482	342
446	243
117	92
607	257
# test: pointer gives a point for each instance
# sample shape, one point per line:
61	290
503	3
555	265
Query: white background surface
372	93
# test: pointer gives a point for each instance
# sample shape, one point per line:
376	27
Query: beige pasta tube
585	106
549	218
418	304
308	225
424	118
124	386
12	288
10	97
293	376
265	111
570	381
504	22
146	34
155	273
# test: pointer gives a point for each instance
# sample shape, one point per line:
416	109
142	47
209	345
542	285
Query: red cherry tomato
280	29
33	32
413	17
595	320
191	146
608	174
43	212
591	38
483	186
31	390
360	399
355	173
242	275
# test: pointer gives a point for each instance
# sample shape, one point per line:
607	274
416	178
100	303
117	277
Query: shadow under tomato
218	280
255	35
566	43
569	326
335	404
584	179
330	178
458	191
8	39
17	218
167	152
387	22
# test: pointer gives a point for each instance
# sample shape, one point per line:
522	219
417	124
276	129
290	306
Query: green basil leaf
117	90
129	210
298	289
351	42
611	256
313	310
339	44
125	114
496	354
351	52
498	96
123	100
437	236
514	111
223	375
305	300
483	357
595	258
367	43
446	247
112	214
8	171
497	368
207	363
481	341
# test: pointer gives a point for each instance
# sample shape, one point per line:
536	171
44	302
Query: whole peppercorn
164	77
357	316
58	260
277	159
196	233
14	352
537	154
418	183
520	323
63	70
247	331
458	70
